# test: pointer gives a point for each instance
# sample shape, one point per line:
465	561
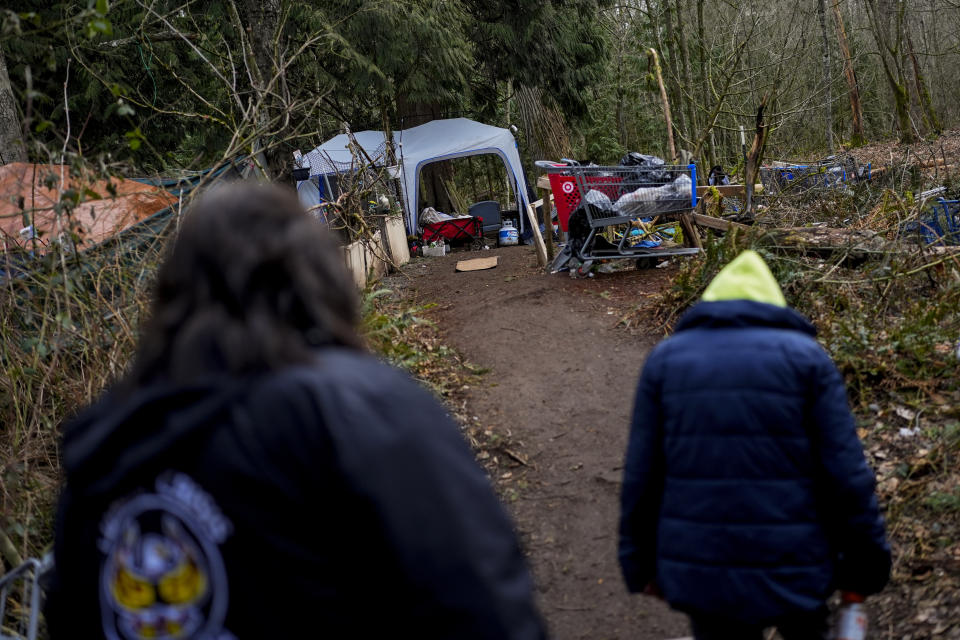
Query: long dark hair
252	283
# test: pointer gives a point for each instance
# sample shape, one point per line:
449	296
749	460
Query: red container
455	229
566	195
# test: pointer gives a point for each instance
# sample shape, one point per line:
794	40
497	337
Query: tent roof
456	135
23	189
415	147
434	138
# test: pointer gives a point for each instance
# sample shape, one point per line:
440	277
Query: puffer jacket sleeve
643	479
847	488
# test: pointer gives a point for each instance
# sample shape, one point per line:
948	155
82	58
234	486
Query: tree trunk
755	157
853	88
670	61
655	61
621	97
509	100
432	176
828	103
12	148
926	104
901	98
897	81
705	82
260	20
687	103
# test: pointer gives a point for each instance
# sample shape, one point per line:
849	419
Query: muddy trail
559	391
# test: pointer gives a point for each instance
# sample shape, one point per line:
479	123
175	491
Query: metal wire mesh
618	194
799	177
20	602
322	164
939	225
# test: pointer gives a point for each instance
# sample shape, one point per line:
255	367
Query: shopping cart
939	220
593	199
795	178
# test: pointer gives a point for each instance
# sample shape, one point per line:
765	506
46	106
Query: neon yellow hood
747	277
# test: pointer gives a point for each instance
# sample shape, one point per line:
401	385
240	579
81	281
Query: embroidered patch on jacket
163	575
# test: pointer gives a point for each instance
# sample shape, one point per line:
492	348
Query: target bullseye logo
568	187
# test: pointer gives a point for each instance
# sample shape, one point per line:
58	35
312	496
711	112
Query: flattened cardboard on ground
477	264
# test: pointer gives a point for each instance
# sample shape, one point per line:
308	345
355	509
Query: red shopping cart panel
566	195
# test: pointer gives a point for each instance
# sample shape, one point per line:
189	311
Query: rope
146	65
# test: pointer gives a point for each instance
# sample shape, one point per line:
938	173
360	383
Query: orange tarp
33	190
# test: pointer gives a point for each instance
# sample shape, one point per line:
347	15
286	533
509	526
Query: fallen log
717	224
854	245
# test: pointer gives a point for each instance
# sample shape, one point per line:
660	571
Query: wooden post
537	238
690	236
548	223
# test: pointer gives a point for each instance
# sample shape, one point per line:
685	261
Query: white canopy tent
415	148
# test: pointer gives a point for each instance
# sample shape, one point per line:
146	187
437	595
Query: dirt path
561	390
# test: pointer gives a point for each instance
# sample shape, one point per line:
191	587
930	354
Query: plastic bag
650	171
430	215
650	200
598	199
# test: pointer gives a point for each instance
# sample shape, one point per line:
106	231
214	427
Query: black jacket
336	500
746	494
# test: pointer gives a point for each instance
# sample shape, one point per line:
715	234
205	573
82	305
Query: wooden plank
537	237
543	182
690	236
716	223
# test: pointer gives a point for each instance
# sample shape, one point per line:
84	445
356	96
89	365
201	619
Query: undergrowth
66	334
68	326
891	324
397	328
400	333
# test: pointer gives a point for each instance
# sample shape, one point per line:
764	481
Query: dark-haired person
258	475
746	496
717	177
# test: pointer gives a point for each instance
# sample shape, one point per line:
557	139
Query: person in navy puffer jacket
746	499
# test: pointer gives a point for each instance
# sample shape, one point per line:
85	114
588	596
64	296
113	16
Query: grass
67	329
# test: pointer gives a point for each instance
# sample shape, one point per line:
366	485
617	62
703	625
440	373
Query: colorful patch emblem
163	576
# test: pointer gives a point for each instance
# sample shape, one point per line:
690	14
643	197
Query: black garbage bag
650	170
578	230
